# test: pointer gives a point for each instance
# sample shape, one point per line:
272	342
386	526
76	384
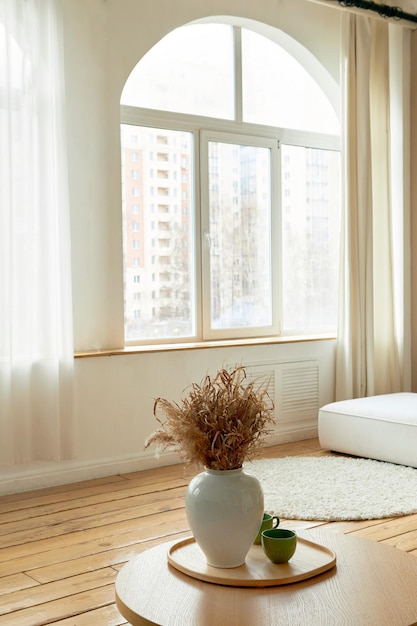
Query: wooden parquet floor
62	547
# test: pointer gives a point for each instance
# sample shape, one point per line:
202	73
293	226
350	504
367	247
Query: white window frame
275	209
237	131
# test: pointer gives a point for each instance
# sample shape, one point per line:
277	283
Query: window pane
188	71
158	233
240	231
278	91
311	217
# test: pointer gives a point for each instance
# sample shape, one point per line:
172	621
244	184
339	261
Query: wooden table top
371	584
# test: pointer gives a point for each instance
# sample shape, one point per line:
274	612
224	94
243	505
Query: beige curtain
372	354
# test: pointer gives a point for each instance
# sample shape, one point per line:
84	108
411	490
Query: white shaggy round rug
335	488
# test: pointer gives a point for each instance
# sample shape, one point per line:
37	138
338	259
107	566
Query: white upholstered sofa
380	427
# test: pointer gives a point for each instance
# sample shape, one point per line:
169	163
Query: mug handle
275	521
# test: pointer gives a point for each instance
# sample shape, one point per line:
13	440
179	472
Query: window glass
277	90
188	71
158	234
310	241
239	189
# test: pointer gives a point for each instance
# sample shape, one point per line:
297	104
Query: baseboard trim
28	477
288	435
42	475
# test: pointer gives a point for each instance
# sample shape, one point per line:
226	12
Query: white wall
114	395
114	398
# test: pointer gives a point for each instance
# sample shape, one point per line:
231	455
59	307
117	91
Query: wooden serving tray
310	559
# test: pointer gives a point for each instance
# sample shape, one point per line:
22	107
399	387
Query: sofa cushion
382	427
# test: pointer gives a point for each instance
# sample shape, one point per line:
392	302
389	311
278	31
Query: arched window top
191	70
205	69
278	90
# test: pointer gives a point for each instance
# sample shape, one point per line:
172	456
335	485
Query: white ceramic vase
224	510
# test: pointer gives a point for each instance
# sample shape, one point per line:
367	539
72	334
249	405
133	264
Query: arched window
230	169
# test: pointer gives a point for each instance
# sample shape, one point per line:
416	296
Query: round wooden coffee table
371	584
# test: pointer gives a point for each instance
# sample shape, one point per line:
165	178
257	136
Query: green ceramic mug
269	521
279	544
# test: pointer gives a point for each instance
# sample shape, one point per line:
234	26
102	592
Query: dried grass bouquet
220	424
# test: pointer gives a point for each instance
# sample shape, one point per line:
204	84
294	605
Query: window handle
207	238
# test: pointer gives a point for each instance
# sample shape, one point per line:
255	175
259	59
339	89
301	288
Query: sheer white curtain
36	347
372	347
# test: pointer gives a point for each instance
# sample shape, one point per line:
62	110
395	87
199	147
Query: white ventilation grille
300	388
294	387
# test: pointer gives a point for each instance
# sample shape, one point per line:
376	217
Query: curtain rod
383	10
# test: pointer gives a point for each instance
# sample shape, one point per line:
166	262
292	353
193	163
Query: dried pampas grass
220	423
